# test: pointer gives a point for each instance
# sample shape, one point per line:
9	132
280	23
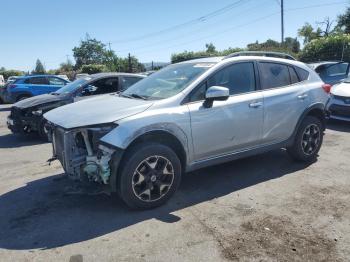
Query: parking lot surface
262	208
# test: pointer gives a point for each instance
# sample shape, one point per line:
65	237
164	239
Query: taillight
327	88
12	86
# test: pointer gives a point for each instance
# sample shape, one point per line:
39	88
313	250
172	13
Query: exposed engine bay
81	154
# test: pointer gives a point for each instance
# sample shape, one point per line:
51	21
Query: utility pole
282	22
129	62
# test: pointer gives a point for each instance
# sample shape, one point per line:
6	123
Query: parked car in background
338	105
65	77
33	85
2	94
26	115
2	80
11	79
188	116
331	72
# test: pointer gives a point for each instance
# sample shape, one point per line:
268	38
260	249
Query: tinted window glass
337	69
102	86
293	75
303	74
37	81
129	81
199	93
56	81
239	78
274	75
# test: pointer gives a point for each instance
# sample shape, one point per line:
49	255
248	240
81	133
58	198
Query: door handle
255	104
302	97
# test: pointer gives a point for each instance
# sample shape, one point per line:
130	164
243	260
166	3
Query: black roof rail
261	53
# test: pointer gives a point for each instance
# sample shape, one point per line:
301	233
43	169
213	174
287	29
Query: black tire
22	97
42	131
298	151
132	160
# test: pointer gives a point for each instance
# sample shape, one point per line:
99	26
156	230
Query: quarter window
238	78
303	74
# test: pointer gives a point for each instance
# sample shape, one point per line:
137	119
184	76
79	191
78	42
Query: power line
193	32
245	24
188	23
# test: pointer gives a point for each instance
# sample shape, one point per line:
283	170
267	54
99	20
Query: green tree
308	33
66	66
211	49
39	68
344	21
90	51
8	73
327	48
93	69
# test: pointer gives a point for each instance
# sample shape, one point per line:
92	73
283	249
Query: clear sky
48	30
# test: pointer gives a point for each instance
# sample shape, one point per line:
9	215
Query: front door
232	125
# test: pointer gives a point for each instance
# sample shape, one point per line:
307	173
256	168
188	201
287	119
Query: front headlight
37	112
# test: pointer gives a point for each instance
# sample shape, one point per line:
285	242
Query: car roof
100	75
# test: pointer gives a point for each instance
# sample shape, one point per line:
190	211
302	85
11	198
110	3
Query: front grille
338	110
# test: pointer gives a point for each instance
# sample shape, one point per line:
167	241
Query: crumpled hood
37	100
98	110
342	89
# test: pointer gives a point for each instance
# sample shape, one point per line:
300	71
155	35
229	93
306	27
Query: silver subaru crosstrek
187	116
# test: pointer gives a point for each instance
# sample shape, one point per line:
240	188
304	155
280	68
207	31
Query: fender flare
316	106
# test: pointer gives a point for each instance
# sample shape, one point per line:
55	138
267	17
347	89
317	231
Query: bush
8	73
327	48
93	69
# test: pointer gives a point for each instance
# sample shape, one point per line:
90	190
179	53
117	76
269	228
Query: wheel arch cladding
317	110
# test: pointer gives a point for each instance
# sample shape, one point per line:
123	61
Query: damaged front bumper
81	153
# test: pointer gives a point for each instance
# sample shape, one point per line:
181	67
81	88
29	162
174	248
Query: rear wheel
149	176
308	140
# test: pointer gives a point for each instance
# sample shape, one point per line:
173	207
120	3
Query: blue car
33	85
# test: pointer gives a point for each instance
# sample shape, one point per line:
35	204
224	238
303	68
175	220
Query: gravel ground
263	208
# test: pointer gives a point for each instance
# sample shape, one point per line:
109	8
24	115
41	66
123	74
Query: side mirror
216	93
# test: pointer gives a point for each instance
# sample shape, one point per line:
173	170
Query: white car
339	103
2	80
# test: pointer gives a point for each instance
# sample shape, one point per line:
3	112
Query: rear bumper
339	108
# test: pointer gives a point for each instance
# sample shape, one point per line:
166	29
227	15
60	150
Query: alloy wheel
152	178
311	139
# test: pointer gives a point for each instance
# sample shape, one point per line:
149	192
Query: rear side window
303	74
238	78
274	75
37	81
337	69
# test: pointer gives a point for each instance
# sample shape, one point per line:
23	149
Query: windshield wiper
134	96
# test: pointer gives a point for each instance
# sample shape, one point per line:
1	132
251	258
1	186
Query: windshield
167	82
73	86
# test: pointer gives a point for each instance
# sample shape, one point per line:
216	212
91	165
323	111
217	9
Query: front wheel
149	175
308	140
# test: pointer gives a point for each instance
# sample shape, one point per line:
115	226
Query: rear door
37	85
285	99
